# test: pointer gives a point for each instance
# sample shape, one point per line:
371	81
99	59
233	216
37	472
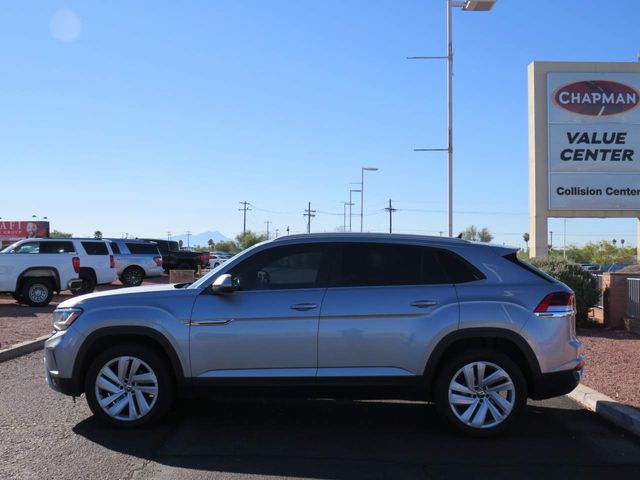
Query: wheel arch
502	340
50	272
103	338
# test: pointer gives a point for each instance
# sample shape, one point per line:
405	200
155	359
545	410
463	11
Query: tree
97	234
228	246
249	239
180	244
210	242
58	234
526	237
484	235
472	233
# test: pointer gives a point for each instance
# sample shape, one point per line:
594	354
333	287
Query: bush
583	283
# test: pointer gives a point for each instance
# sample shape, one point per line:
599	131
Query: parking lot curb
22	348
617	413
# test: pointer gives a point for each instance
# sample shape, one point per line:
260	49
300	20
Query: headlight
63	317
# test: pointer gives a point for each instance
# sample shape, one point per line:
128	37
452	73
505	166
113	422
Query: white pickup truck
32	270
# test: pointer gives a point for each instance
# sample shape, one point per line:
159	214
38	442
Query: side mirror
223	284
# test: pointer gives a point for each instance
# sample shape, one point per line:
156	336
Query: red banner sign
16	230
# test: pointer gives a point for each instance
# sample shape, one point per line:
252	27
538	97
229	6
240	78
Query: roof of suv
368	237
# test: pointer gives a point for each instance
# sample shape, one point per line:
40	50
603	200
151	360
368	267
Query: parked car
32	270
465	325
97	263
175	259
218	258
136	260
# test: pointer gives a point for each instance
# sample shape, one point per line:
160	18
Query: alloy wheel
38	293
126	388
481	394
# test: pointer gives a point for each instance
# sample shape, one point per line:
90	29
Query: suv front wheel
128	386
480	392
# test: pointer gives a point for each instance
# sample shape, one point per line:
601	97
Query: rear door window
57	247
95	248
143	248
371	264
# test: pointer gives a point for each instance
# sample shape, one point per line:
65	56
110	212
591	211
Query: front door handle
303	307
424	303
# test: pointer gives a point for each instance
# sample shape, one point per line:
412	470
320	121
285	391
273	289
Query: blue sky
161	116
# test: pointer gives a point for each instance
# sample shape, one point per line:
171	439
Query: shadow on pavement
349	439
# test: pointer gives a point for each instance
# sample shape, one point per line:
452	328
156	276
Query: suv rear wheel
132	277
36	292
480	392
128	386
88	284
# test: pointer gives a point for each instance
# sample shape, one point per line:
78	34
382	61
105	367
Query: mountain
201	238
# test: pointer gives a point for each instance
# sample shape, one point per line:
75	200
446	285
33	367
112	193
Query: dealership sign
16	230
593	141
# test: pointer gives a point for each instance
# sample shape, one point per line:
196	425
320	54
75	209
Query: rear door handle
303	307
424	303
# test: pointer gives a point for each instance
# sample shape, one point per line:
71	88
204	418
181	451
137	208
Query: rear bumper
555	384
76	283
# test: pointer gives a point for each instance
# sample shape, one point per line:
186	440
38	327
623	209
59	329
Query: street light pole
350	205
466	5
363	169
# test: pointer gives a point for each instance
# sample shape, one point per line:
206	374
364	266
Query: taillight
203	259
158	261
76	264
113	261
557	302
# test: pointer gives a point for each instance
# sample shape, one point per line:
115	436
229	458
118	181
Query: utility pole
309	214
277	231
245	208
390	209
268	222
169	236
551	244
188	238
287	229
344	214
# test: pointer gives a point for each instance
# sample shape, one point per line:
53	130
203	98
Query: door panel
383	330
256	333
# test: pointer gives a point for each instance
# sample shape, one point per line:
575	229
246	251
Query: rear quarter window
115	248
57	247
95	248
457	269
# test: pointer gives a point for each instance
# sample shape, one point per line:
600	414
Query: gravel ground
613	363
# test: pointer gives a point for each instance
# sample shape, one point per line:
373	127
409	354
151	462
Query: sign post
584	144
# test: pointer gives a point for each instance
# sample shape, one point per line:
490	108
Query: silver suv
464	325
136	260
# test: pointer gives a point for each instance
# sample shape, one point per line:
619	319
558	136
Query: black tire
165	386
88	284
132	277
36	292
447	410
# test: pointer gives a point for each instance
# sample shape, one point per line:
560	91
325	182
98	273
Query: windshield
213	273
9	248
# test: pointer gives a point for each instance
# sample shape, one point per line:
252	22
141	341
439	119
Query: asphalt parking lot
46	435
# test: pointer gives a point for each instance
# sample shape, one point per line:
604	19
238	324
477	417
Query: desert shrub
583	283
